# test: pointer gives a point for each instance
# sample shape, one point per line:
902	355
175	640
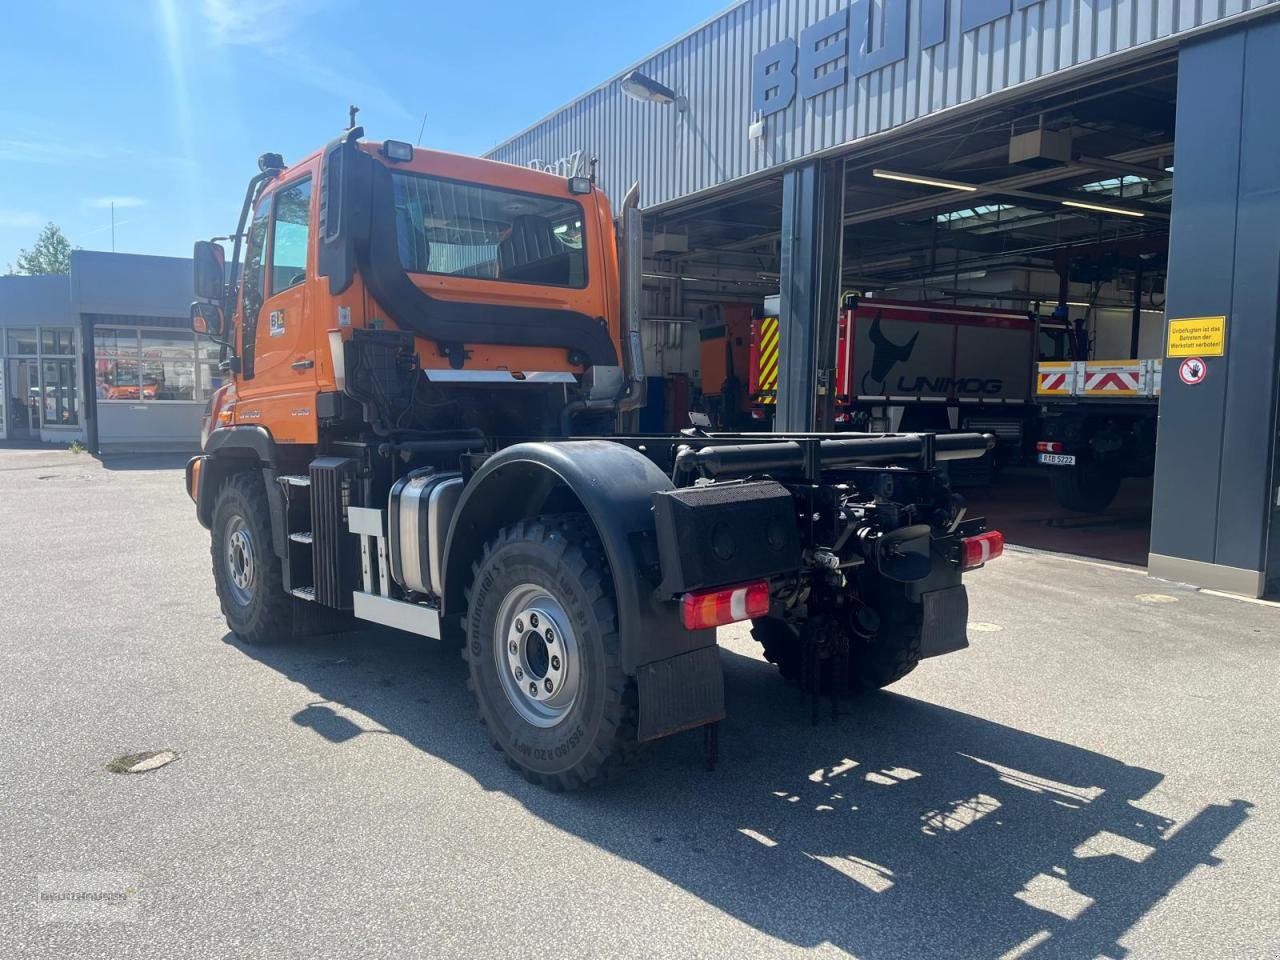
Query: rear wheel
246	571
1086	487
886	657
544	656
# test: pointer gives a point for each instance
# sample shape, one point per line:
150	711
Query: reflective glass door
22	400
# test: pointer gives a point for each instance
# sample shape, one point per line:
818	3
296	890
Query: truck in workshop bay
1099	427
427	355
906	365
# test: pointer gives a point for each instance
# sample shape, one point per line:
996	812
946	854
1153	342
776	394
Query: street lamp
638	86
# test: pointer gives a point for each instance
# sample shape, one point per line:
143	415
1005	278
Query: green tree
51	253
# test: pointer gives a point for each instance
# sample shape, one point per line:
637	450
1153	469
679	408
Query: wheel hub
537	655
240	562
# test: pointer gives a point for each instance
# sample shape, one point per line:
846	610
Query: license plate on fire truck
1057	459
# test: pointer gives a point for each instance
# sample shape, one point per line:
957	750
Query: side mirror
210	271
208	319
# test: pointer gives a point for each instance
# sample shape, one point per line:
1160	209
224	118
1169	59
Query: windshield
467	230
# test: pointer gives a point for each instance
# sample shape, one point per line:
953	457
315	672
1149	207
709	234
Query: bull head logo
886	354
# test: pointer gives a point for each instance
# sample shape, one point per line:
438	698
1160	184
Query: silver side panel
420	511
499	376
411	617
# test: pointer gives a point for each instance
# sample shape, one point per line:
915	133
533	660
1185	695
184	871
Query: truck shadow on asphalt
903	829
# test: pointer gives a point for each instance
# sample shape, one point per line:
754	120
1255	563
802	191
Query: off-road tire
884	659
596	737
895	649
781	645
267	616
1084	488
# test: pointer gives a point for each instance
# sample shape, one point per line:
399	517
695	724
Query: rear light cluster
1048	446
715	608
985	546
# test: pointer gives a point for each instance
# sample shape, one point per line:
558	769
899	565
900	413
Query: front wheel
246	571
544	656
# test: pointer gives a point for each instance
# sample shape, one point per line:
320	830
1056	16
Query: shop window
61	401
168	365
57	342
117	379
152	365
211	378
22	342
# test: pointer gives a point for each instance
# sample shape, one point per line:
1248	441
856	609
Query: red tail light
715	608
986	546
1048	446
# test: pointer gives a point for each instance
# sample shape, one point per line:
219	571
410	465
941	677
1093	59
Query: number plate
1058	459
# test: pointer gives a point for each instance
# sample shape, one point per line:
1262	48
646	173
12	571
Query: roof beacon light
397	151
923	180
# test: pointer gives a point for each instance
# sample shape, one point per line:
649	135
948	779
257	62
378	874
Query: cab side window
290	231
254	251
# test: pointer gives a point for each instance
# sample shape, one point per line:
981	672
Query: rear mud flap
946	619
680	693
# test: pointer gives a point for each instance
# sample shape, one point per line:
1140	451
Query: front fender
613	485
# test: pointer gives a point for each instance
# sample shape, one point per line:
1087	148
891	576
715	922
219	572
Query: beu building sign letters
847	45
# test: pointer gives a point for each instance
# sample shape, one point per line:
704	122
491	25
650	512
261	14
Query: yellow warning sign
1197	337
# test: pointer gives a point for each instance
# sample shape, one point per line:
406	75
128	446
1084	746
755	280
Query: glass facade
147	365
41	382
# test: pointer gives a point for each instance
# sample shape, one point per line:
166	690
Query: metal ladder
299	567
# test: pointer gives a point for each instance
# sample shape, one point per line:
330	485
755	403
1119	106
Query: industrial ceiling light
923	180
1103	208
637	86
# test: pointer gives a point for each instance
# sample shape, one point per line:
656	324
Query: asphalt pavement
1095	776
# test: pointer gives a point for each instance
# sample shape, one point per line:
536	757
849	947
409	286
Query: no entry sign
1192	370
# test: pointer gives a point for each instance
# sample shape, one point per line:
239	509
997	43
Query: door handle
303	364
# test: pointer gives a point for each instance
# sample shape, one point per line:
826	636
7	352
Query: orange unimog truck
426	357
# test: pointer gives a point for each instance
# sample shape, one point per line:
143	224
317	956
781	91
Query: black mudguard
614	485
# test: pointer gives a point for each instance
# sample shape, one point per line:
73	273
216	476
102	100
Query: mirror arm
231	286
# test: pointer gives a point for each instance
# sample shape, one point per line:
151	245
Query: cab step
303	536
304	593
294	480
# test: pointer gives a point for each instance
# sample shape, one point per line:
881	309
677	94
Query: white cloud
20	219
120	203
255	23
268	25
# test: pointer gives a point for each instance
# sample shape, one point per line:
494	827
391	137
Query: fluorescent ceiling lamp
1101	208
923	180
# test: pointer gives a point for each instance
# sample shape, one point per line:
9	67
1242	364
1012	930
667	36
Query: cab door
278	360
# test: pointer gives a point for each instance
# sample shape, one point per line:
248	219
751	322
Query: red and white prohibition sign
1192	371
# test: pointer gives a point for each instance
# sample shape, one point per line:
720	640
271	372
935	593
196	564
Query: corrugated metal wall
675	154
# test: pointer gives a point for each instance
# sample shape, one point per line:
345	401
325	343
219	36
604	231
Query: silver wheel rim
240	563
537	655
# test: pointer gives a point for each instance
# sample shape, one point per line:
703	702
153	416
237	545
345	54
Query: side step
302	537
412	617
294	480
304	593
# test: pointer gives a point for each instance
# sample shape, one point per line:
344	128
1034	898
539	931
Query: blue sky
164	105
